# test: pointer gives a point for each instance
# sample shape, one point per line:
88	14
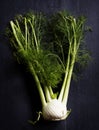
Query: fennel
49	48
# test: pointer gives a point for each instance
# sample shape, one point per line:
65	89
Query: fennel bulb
54	110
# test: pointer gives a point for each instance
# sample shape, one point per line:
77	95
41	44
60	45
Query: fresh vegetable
50	48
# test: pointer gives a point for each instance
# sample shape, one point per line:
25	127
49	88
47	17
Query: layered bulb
54	110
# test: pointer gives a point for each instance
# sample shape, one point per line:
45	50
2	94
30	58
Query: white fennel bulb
54	110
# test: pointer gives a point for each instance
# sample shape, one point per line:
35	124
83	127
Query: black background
19	101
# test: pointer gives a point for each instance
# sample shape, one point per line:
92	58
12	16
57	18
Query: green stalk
26	32
70	70
50	91
67	85
47	94
73	52
13	26
42	97
18	30
37	46
65	78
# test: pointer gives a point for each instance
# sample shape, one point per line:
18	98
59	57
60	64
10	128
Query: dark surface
18	100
